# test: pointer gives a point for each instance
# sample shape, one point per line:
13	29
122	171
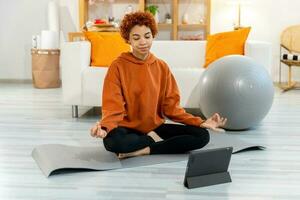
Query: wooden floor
30	117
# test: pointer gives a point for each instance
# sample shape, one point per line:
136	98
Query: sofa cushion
180	54
226	43
187	80
106	46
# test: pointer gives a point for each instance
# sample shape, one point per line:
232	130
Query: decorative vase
156	17
129	9
185	18
168	21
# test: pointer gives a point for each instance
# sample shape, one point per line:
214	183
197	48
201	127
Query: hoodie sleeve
171	105
113	109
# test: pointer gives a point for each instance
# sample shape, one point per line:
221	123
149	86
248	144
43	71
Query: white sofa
82	84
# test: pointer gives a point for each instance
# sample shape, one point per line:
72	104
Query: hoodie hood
131	58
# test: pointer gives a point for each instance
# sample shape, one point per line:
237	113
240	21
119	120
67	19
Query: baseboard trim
16	81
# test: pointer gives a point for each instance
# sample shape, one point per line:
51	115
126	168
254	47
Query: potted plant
153	9
168	18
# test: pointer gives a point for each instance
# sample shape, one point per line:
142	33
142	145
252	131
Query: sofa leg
74	111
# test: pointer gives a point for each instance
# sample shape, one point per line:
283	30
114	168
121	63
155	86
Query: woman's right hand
215	122
97	132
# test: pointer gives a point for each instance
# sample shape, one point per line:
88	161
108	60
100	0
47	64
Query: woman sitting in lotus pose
139	92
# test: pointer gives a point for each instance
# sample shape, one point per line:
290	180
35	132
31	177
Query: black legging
176	139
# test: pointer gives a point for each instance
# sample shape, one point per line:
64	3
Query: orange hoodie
138	94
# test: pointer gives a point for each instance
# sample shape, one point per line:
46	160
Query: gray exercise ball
238	88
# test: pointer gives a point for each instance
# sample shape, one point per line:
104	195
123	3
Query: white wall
21	20
266	17
69	17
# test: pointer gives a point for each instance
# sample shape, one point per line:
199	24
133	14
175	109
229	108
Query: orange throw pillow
106	47
226	43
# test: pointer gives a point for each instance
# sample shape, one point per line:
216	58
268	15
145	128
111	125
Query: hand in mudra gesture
97	132
215	123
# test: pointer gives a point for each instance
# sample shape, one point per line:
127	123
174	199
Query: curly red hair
137	18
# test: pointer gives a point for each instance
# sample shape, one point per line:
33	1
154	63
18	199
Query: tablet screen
203	162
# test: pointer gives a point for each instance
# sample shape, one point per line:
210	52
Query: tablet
208	167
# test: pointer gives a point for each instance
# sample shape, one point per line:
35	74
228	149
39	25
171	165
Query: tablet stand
206	180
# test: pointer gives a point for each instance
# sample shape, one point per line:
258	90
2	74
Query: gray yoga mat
55	158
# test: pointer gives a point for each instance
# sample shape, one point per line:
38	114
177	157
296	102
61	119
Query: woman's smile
143	49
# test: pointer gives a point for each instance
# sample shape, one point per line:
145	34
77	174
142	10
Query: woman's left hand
215	123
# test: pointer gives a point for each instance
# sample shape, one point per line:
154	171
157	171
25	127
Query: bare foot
141	152
154	136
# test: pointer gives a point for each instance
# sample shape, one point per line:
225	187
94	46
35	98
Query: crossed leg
166	139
